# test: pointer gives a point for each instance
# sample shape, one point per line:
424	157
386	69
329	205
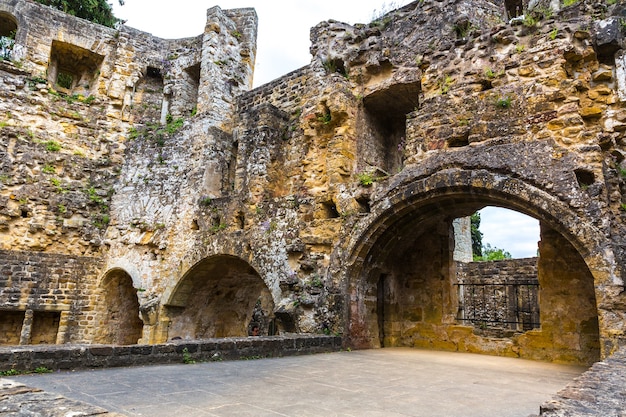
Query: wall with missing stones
330	191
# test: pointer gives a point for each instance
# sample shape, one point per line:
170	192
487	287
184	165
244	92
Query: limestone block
620	74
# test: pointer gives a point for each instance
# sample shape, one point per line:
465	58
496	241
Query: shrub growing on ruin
97	11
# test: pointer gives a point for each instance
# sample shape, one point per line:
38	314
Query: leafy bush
97	11
492	254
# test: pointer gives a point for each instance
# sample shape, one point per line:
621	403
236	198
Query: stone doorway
119	321
406	292
221	296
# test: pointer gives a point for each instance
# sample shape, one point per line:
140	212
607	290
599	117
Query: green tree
493	254
477	235
97	11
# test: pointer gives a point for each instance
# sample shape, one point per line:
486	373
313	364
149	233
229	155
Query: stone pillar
26	327
620	71
64	321
463	239
159	333
165	108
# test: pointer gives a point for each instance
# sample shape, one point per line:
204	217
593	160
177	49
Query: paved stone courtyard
384	382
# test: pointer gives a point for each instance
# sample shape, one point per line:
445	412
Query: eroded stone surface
598	392
323	201
18	400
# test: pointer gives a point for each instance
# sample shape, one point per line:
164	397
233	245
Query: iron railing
511	305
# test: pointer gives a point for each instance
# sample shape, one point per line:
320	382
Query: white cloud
509	230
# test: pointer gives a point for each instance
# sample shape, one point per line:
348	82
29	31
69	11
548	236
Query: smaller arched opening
147	96
119	321
8	31
221	296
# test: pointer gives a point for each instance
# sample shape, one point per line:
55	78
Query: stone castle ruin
148	194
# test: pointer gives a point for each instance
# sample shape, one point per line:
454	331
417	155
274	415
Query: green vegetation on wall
97	11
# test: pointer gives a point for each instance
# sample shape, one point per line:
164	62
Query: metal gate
511	305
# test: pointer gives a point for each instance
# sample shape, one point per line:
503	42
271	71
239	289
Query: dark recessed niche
8	25
584	177
330	210
240	219
153	72
73	69
364	204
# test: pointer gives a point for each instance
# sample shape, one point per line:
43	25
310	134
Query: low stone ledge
601	391
29	358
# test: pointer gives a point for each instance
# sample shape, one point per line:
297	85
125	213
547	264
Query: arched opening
147	97
404	287
497	279
8	31
119	321
221	296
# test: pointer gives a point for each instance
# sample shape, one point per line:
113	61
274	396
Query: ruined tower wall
331	190
73	94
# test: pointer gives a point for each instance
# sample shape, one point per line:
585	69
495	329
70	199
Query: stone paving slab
383	382
599	392
18	400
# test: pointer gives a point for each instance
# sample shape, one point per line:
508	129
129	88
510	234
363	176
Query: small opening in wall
240	219
335	66
65	80
45	327
330	210
285	322
153	72
73	69
459	141
514	8
24	213
585	178
8	31
364	204
8	26
216	221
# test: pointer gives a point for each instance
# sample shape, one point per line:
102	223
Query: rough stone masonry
147	194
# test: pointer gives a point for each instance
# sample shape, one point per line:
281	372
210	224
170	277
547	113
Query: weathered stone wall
286	92
598	392
28	358
494	101
52	294
497	271
332	190
63	145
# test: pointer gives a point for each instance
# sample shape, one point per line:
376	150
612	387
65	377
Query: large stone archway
401	275
119	321
220	296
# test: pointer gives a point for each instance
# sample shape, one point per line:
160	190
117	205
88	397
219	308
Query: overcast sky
283	45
